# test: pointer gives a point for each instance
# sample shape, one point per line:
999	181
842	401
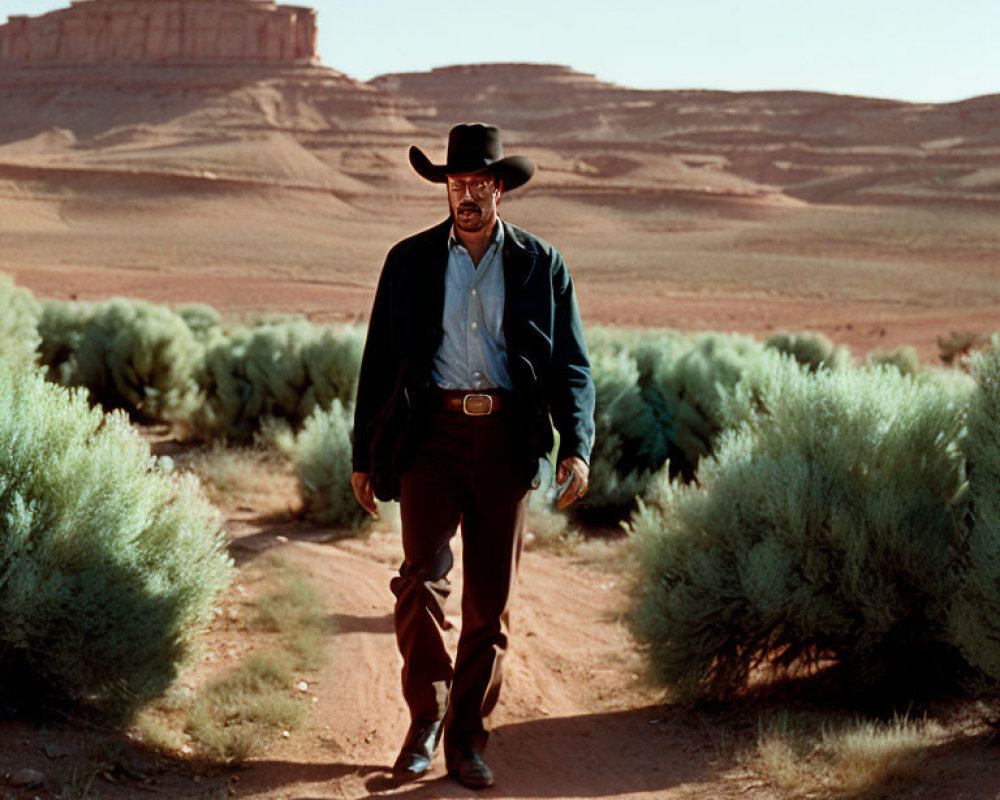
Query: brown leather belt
473	404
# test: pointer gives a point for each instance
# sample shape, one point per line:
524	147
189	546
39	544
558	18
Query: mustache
467	206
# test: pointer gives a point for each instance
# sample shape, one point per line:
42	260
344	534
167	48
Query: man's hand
361	483
575	470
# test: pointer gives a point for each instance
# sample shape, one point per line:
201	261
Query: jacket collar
518	261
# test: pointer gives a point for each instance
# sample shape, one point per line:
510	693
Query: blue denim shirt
473	351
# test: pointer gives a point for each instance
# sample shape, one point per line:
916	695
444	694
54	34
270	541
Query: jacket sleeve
378	371
571	402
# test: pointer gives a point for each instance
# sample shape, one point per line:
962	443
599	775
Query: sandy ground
868	281
575	721
576	718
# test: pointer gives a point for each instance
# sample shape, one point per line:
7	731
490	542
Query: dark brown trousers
463	473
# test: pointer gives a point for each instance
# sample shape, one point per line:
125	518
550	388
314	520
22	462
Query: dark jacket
546	353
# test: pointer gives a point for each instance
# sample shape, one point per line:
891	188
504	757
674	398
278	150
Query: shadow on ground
594	755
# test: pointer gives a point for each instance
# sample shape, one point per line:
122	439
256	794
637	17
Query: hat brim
514	171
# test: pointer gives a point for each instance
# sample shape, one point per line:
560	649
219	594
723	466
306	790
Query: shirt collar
497	239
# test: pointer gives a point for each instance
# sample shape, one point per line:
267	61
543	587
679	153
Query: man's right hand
361	483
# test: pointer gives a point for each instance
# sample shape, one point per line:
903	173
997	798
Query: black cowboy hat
472	148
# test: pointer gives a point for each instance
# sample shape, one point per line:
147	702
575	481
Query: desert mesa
160	32
203	150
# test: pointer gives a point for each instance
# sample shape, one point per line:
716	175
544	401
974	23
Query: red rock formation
102	32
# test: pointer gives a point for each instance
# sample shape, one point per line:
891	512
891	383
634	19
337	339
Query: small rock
54	751
282	539
27	777
302	686
286	735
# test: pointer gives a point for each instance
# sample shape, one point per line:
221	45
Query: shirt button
474	292
475	325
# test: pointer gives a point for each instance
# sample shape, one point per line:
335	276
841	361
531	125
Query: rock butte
161	32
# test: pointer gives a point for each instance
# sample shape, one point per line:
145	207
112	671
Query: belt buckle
477	405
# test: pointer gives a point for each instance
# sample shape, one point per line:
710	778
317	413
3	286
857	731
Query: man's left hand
577	472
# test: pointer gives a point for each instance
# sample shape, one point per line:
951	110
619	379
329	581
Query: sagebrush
321	457
974	615
108	565
663	400
812	350
184	367
280	371
829	527
19	312
128	354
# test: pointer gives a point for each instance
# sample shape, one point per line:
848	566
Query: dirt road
576	718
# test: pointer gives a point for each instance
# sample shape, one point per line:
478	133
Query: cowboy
475	349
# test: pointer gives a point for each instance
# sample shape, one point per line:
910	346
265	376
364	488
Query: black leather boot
421	741
472	771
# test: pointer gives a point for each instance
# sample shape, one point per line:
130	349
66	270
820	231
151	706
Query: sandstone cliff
101	32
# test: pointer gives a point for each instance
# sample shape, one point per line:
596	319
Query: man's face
473	197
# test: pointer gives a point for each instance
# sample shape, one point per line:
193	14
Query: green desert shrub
183	367
321	457
905	359
662	401
60	329
203	320
812	350
827	527
695	389
108	565
622	465
128	354
975	614
19	313
959	344
276	370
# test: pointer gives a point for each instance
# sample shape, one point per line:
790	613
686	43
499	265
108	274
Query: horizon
907	51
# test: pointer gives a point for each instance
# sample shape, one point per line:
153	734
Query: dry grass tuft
295	611
553	532
229	472
807	755
156	726
550	531
235	716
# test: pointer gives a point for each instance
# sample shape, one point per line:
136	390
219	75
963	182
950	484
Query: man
474	343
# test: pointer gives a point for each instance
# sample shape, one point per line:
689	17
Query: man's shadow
593	755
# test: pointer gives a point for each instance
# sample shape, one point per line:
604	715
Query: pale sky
917	50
